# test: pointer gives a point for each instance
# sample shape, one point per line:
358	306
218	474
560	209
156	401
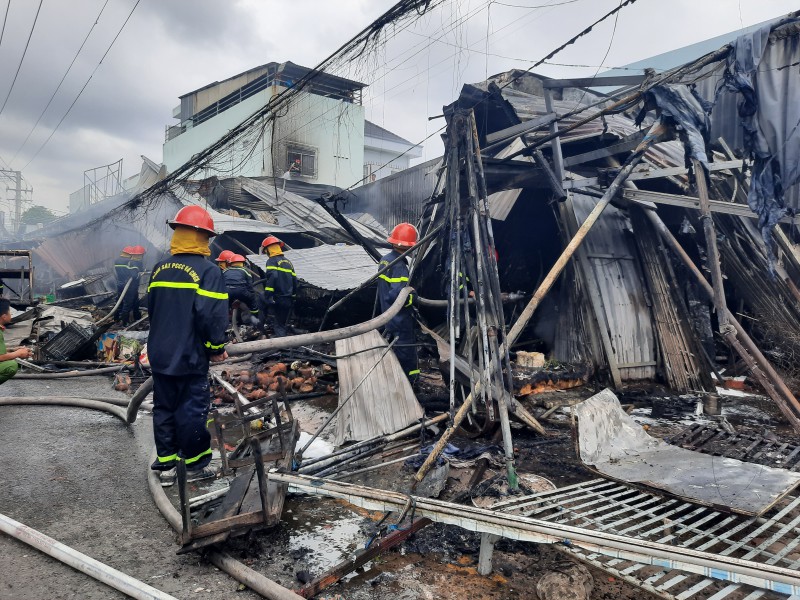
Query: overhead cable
5	18
24	52
60	83
111	45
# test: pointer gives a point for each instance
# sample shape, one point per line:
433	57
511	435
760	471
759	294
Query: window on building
301	160
370	172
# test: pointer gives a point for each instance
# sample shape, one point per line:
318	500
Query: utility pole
16	178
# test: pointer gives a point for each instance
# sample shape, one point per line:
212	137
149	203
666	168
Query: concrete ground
78	476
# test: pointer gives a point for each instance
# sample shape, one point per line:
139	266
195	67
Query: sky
121	106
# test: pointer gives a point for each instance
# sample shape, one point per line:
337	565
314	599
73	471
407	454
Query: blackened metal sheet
612	443
384	403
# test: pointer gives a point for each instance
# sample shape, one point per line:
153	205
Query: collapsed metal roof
328	267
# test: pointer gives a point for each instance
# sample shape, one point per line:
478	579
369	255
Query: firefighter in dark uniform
390	283
123	271
239	282
280	285
223	259
131	301
188	308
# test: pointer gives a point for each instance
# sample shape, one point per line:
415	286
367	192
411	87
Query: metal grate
67	342
751	447
605	506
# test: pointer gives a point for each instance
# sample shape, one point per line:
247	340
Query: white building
385	153
320	138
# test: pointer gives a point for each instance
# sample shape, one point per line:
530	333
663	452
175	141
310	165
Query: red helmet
137	250
225	256
196	217
236	258
404	234
127	250
269	240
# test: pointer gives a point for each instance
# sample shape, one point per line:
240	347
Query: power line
30	35
5	18
60	83
52	133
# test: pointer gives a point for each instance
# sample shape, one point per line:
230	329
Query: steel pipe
79	561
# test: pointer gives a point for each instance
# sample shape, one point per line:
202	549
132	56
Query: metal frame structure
21	274
617	521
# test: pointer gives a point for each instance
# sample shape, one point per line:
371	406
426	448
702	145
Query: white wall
180	149
333	128
375	159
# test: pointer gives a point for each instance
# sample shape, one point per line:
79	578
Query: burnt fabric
769	120
188	306
401	326
180	411
685	112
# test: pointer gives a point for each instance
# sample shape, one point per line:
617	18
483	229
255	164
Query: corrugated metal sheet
614	261
501	203
328	267
398	198
305	215
384	403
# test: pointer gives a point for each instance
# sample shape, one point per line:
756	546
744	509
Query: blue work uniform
188	307
239	283
401	326
280	288
126	269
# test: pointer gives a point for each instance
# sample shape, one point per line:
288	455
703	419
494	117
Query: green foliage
37	214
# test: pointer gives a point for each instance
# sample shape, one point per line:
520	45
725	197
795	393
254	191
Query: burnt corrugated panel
382	400
302	214
614	262
328	267
397	198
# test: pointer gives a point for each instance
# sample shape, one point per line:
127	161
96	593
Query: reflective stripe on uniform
211	346
181	285
392	279
410	300
215	295
414	372
269	289
194	459
282	269
166	459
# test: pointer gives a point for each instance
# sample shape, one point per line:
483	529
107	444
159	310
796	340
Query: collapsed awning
328	267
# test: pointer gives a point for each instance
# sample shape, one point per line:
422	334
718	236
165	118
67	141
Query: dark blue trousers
405	349
180	411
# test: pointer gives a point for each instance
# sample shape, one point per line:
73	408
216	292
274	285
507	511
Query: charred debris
570	241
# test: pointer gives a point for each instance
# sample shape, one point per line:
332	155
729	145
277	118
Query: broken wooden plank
625	145
653	174
717	206
518	129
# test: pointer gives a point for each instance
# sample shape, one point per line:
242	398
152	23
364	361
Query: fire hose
252	579
292	341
